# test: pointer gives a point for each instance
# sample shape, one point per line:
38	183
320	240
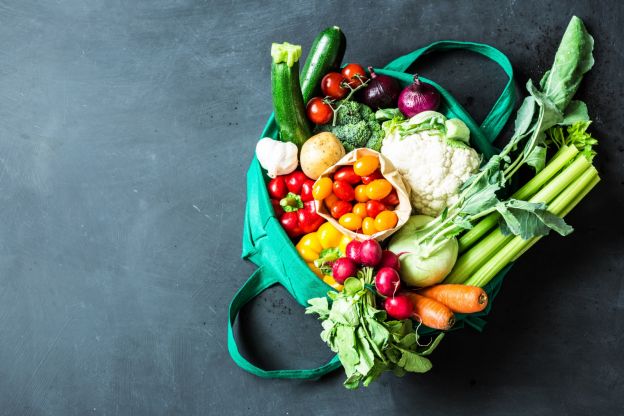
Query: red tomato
373	208
331	84
391	199
344	191
294	181
318	111
375	175
306	190
354	74
277	187
340	208
347	174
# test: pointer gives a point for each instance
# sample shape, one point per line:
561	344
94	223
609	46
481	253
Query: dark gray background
125	132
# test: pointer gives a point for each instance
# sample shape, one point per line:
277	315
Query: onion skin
418	97
382	91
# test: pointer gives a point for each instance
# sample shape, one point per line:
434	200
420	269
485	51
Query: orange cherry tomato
359	209
360	193
330	200
368	226
350	221
378	189
366	165
386	220
322	188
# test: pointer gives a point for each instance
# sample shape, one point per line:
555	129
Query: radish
343	268
370	253
389	259
399	307
353	251
387	281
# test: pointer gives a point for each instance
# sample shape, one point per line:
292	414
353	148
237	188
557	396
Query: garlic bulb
277	158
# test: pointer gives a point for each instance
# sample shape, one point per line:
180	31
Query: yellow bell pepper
311	245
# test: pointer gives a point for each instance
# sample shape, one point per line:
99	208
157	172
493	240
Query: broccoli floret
356	126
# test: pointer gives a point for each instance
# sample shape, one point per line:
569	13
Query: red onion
418	97
382	91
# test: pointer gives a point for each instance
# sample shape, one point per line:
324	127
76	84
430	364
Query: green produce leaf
319	306
537	158
352	286
572	60
413	362
389	114
575	112
529	219
524	117
326	257
343	311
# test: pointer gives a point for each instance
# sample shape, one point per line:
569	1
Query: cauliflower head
432	163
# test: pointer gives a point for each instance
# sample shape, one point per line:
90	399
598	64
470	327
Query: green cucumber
288	103
325	55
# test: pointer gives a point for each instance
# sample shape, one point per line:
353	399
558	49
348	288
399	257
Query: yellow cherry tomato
359	209
386	220
350	221
330	200
368	226
328	236
366	165
322	188
360	193
378	189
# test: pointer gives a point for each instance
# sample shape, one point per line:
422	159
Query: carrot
431	312
458	298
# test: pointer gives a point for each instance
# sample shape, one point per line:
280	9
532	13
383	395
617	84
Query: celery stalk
556	163
569	208
563	203
474	258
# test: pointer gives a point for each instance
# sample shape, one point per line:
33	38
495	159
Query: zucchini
288	103
325	55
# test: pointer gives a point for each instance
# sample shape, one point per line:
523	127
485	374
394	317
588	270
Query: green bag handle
504	105
259	281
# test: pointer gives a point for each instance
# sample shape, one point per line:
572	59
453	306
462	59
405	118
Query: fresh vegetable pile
387	202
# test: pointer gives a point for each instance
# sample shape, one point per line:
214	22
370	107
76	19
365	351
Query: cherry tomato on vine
344	191
318	111
347	174
366	165
354	74
331	84
340	208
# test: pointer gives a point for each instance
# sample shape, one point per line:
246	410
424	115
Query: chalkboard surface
125	132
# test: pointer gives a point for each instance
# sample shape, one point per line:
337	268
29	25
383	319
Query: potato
320	152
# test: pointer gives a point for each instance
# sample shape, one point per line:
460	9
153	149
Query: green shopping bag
266	244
